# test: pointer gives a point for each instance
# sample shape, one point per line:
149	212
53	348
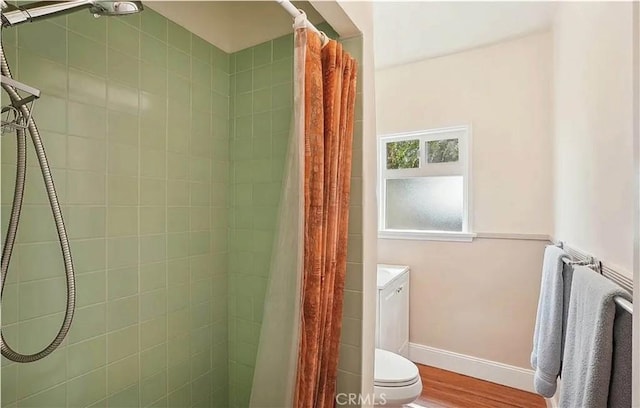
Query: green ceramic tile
282	95
123	190
153	304
40	375
123	128
178	297
89	26
179	37
282	71
86	54
122	313
244	60
122	98
52	115
122	67
262	54
153	50
153	388
177	166
244	82
49	77
201	99
123	37
153	192
201	72
122	343
87	120
179	62
88	322
283	47
91	288
153	79
122	221
85	222
244	127
220	81
153	276
89	255
200	48
122	374
262	100
122	282
153	332
38	261
153	163
153	24
179	328
54	397
152	220
86	88
123	160
86	356
153	360
45	39
220	59
127	398
87	389
9	383
152	248
86	154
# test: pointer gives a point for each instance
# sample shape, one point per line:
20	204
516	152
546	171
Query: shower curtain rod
295	12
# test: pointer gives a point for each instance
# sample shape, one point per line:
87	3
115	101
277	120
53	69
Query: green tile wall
134	116
168	156
261	110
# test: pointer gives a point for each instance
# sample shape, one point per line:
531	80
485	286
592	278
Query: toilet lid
393	370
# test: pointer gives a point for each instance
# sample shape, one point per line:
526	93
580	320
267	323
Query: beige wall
476	299
504	92
480	298
594	188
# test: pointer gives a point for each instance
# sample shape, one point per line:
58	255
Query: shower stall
167	154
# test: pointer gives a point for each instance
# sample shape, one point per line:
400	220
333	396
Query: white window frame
460	168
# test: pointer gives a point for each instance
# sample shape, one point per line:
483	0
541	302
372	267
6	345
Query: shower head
45	9
115	8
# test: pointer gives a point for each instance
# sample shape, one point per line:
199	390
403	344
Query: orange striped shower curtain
329	104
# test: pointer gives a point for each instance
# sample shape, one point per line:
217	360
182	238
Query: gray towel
546	356
588	353
620	387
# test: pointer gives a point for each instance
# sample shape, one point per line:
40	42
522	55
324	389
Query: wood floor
444	389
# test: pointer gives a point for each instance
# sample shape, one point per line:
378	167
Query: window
424	185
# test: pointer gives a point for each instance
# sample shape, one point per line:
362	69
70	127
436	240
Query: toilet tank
392	309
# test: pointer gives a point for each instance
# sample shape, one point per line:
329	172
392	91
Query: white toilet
397	381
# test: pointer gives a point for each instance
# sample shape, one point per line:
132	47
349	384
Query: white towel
588	352
546	356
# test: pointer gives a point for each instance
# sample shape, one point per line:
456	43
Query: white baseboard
499	373
553	402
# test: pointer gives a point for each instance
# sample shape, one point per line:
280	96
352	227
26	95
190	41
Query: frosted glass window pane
403	155
442	151
425	203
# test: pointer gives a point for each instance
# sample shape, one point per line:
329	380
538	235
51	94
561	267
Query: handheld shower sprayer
12	16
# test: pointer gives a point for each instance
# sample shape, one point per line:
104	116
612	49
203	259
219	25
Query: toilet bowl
396	380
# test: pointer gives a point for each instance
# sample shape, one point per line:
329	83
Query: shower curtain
297	359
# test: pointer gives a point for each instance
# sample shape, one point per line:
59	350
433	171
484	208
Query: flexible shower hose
16	208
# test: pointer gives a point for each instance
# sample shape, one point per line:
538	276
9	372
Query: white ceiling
412	31
233	25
